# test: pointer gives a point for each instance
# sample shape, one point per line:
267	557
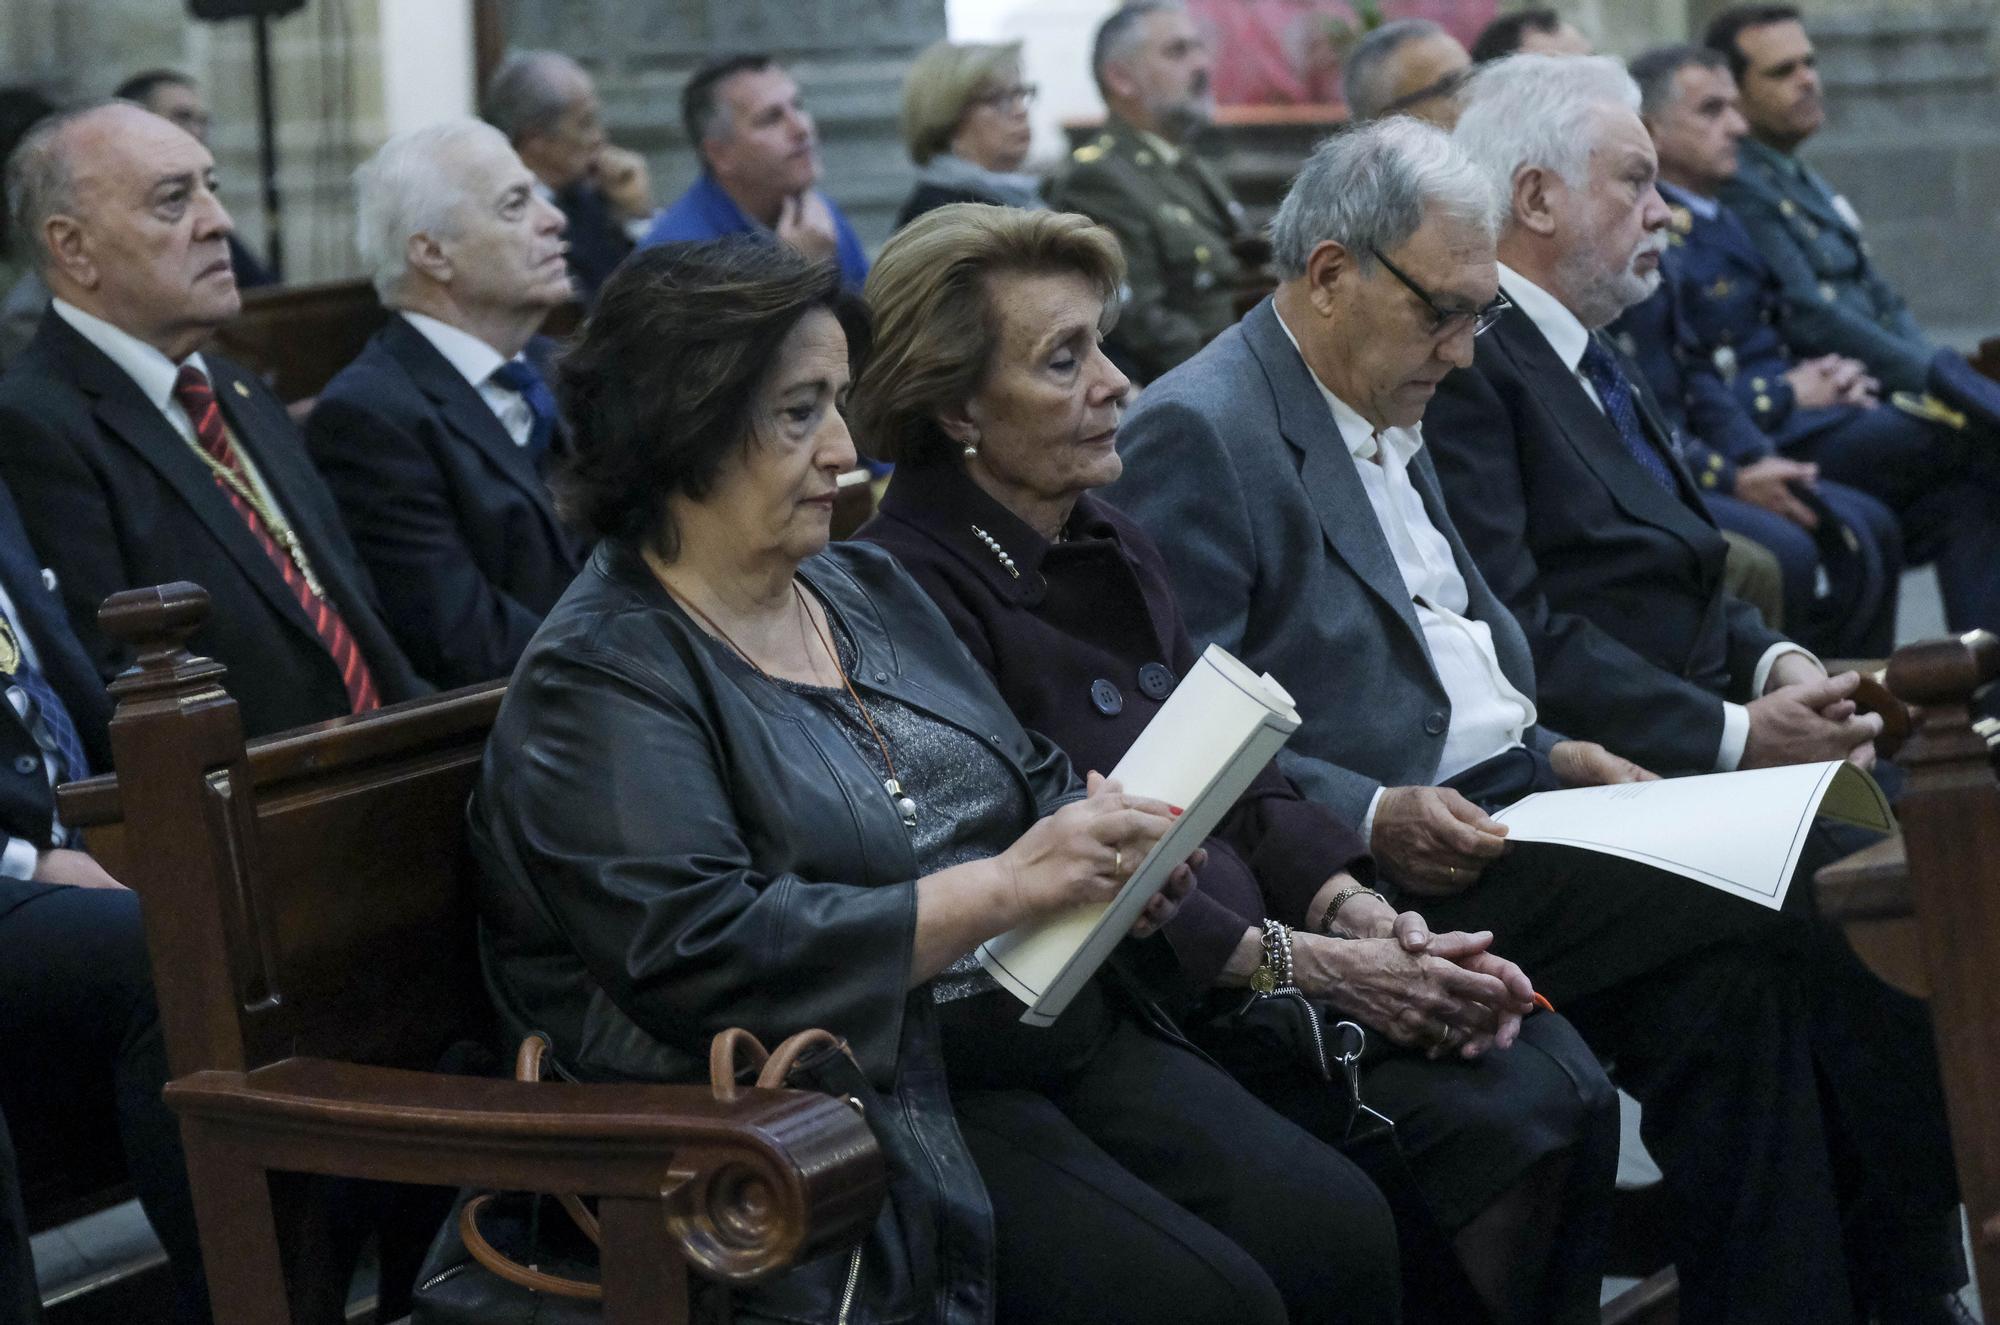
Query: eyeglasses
1006	98
1446	86
1448	322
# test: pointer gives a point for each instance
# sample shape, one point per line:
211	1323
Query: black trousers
85	1063
1945	493
20	1304
1137	1182
1791	1098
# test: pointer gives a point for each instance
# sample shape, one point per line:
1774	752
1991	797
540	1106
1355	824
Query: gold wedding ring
1117	863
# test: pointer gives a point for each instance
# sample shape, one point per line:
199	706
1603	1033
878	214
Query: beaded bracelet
1275	972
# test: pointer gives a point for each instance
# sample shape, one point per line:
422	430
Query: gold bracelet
1340	899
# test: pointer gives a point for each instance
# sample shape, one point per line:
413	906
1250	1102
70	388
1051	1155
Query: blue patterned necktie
517	376
48	720
1600	368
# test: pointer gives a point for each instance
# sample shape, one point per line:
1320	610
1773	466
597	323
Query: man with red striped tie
137	459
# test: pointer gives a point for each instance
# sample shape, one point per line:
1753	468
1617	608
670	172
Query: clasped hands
1441	994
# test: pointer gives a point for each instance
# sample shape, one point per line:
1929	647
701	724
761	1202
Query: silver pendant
904	805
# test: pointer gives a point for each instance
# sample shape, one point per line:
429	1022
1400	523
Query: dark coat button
25	764
1104	697
1434	723
1156	681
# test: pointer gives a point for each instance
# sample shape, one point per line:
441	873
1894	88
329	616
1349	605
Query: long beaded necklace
905	806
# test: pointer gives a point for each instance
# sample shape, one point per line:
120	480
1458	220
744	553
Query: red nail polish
1174	810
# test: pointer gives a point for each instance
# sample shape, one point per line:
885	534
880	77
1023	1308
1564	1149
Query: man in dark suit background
136	460
1564	479
175	97
434	441
547	106
1285	475
79	1032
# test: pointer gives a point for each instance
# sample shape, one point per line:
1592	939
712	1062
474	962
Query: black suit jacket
451	517
113	498
597	241
27	802
1617	582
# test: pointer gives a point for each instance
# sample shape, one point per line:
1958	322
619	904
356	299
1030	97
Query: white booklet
1739	832
1221	725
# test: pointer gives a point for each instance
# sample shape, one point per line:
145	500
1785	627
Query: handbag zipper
1312	1024
853	1278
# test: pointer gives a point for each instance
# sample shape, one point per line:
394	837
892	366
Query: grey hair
1656	70
1371	188
1119	33
41	179
1366	79
1540	110
411	186
528	94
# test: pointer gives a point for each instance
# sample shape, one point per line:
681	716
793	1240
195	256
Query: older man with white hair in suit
435	440
1285	475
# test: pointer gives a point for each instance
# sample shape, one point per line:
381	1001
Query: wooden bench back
307	895
297	337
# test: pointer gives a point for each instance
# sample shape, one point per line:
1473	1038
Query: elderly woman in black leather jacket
746	778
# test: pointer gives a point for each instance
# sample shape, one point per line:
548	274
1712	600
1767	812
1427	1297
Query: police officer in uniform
1838	550
1834	299
1915	454
1173	214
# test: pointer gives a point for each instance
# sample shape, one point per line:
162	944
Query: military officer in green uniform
1172	213
1834	301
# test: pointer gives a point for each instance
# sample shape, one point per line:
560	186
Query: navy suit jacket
452	518
1617	581
27	802
113	498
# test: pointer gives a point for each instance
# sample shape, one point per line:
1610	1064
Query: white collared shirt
1488	713
19	856
1569	339
476	362
150	370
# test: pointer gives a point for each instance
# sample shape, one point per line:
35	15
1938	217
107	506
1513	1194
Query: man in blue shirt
760	167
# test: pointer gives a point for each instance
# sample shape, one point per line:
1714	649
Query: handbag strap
526	1276
528	1067
729	1050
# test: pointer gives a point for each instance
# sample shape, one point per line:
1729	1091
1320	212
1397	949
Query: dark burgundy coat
1084	640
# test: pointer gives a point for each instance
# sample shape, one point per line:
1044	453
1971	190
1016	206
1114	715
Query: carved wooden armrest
749	1187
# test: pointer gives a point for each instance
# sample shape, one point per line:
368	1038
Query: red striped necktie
197	397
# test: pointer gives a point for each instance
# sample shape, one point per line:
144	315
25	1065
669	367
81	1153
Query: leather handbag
524	1258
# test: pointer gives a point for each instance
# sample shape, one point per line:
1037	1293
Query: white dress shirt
1569	339
19	856
476	362
1488	714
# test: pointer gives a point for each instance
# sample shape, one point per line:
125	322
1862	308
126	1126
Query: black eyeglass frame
1443	318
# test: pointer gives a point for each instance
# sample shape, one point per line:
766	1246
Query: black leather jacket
668	847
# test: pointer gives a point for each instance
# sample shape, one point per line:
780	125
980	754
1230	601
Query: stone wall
848	55
1913	140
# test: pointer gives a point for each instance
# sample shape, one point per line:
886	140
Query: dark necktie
192	390
516	375
1600	369
48	721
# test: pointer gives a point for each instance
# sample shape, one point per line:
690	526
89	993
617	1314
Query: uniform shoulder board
1089	152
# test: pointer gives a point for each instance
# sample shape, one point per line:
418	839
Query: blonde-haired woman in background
965	122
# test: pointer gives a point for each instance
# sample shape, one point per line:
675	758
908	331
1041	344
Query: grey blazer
1234	466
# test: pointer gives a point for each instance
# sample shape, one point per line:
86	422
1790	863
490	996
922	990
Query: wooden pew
310	920
1924	910
296	337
